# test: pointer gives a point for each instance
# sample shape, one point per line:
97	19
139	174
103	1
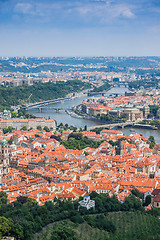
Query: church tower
4	158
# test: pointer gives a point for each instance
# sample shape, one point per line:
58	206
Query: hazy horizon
80	56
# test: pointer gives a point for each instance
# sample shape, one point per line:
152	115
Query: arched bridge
57	109
45	103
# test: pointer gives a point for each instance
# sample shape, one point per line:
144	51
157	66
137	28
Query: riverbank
65	118
78	114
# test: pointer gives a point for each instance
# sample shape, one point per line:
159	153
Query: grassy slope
129	226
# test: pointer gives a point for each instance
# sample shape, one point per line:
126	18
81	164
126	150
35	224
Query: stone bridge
44	103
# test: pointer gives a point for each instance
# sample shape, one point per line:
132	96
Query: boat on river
132	130
73	114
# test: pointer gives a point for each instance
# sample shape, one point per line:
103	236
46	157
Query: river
63	117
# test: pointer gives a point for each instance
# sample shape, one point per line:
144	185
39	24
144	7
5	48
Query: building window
157	204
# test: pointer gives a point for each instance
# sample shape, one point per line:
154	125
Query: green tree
85	128
10	141
60	125
36	135
147	200
5	130
153	109
13	115
5	226
66	125
46	129
86	153
136	192
63	232
151	141
39	128
77	136
8	130
3	198
24	128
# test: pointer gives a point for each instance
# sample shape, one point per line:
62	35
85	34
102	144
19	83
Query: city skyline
84	28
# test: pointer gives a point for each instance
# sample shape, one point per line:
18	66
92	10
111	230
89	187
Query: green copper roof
4	142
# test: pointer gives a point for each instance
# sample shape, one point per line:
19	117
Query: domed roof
3	142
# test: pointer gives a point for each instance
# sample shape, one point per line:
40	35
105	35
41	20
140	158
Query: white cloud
99	11
106	12
25	8
36	8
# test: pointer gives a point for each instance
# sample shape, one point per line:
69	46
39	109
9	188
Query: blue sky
79	28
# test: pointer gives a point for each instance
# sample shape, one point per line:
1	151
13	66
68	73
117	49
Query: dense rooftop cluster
132	108
42	168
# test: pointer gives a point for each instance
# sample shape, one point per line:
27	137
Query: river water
63	117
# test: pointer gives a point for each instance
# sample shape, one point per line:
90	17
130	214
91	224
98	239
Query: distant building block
87	203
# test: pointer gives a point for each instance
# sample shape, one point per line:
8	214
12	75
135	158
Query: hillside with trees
110	219
10	96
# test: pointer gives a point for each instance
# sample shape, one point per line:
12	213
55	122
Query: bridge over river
41	105
57	109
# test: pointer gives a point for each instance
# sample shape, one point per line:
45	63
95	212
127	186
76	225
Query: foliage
24	128
85	128
110	118
153	109
151	141
23	113
10	96
14	115
86	153
147	200
105	86
58	138
155	123
3	198
137	193
126	226
46	129
37	136
27	217
97	130
101	222
77	141
8	130
77	219
5	226
39	128
106	204
10	141
153	82
63	232
134	226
